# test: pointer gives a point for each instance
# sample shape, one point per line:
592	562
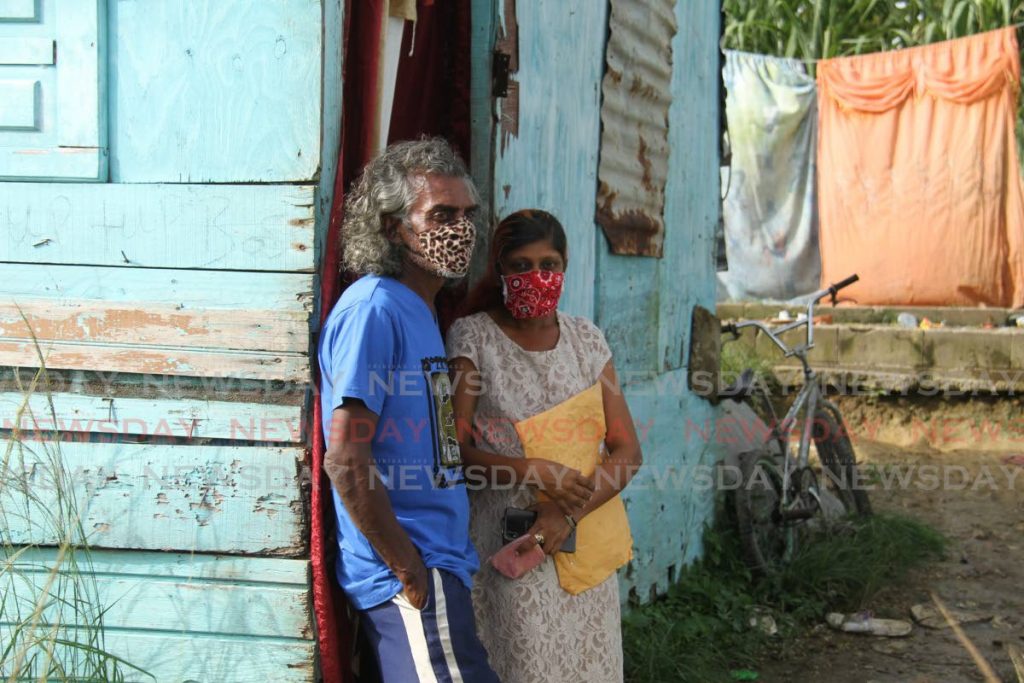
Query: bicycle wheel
838	461
767	543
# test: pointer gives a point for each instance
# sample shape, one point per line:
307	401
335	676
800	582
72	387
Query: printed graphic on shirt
442	417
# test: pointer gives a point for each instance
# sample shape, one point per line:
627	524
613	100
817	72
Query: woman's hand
566	487
551	525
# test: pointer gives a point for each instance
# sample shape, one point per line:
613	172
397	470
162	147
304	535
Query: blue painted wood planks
229	499
177	314
176	616
233	227
215	91
83	417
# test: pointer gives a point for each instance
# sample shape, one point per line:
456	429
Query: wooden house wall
543	152
172	302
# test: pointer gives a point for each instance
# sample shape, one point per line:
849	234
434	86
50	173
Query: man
405	558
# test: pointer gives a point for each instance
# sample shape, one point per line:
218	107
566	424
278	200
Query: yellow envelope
571	433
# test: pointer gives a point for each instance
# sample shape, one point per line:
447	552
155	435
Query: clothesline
815	60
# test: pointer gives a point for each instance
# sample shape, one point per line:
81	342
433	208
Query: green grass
736	357
700	631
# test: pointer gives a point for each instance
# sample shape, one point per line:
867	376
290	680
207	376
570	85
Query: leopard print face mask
446	250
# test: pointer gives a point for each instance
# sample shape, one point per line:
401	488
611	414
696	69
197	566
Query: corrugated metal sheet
634	118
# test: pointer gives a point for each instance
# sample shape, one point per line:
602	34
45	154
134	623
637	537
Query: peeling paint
154	323
507	43
127	357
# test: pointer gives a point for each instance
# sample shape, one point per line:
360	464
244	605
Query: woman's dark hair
514	231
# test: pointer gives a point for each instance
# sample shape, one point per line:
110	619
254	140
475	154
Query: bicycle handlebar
833	289
844	283
773	334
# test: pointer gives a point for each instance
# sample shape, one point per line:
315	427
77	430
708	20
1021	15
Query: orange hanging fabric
919	187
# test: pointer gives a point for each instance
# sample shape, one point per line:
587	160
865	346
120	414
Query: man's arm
350	465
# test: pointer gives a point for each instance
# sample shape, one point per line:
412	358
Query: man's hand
350	465
566	487
416	585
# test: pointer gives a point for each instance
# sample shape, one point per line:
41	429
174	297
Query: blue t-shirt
381	345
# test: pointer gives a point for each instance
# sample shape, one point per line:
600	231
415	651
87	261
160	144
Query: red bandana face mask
533	294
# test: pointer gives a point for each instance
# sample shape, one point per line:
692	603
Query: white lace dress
533	630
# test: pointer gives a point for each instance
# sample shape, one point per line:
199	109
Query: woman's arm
466	387
566	486
611	476
624	455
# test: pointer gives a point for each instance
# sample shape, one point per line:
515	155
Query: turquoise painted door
542	89
51	77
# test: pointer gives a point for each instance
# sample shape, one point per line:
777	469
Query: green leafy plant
818	29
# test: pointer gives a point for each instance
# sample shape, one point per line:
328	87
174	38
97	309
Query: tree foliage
819	29
816	29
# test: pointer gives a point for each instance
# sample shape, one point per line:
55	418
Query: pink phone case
513	564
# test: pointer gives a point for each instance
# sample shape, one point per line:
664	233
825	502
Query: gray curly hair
388	187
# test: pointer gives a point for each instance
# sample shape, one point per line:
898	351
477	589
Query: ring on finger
539	538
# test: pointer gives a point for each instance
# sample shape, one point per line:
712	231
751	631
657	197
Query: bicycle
780	495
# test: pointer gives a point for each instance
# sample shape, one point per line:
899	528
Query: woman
513	357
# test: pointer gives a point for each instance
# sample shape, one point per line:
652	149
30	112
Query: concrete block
1017	350
863	315
826	345
873	315
966	349
882	347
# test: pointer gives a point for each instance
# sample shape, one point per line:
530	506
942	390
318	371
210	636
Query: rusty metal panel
634	117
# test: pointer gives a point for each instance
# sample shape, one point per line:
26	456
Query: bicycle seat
743	387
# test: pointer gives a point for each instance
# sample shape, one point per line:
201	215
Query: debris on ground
980	575
763	621
930	617
864	622
1017	657
907	320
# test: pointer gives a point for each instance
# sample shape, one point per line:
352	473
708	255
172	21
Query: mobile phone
516	522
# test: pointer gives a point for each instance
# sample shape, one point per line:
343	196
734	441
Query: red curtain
431	98
432	89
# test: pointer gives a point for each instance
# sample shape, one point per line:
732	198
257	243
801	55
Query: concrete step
855	356
881	315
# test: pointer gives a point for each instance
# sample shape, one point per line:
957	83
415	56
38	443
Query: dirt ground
975	498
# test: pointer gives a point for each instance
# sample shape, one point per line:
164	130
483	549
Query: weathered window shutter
51	109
